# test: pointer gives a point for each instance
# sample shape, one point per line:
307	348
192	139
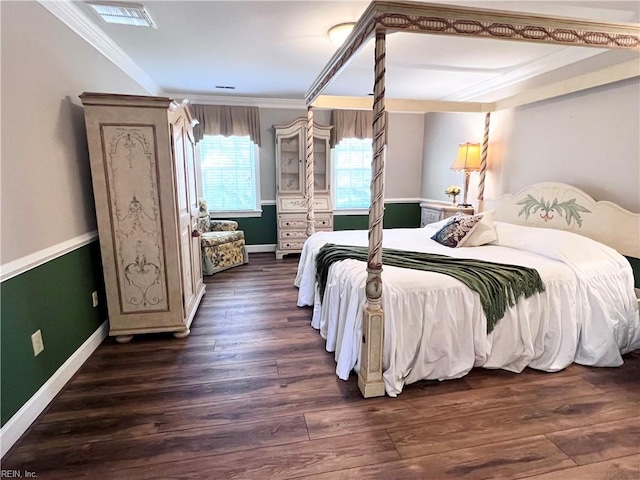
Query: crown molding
561	58
241	101
74	18
578	83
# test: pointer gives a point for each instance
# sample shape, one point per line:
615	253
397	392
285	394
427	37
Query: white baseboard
23	418
260	248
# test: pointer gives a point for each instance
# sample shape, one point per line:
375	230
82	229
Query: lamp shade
468	159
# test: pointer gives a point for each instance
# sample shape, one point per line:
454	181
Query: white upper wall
443	132
404	156
46	196
589	139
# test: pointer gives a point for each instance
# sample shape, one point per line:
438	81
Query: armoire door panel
196	257
132	191
181	176
184	214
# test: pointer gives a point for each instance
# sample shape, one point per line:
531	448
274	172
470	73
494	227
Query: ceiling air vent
122	13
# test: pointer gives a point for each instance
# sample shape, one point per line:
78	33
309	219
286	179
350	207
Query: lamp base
464	205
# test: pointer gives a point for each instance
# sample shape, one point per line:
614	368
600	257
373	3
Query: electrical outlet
38	344
94	298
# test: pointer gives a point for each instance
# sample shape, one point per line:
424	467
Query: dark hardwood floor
252	394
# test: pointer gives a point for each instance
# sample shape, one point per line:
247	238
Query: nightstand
436	211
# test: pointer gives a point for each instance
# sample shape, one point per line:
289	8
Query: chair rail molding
33	260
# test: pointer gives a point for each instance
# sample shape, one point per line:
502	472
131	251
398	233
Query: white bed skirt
435	327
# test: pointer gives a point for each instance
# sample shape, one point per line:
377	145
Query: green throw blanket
499	285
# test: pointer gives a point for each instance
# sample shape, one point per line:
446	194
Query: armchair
221	243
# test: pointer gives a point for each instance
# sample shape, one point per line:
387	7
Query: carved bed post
370	375
483	161
311	226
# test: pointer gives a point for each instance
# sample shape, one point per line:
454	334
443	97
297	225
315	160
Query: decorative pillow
456	230
483	233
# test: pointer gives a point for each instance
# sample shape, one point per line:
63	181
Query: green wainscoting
635	266
260	230
396	215
55	298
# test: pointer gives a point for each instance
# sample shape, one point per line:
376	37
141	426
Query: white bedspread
435	327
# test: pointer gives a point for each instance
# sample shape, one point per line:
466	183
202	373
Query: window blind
229	173
352	173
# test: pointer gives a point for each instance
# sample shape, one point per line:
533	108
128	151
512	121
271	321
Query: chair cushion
212	239
223	225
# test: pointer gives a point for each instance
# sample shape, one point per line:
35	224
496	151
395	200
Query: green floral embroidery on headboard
569	210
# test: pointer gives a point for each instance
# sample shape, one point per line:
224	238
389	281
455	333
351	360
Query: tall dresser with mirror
142	155
291	161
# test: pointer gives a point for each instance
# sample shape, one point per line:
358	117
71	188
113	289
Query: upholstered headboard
563	207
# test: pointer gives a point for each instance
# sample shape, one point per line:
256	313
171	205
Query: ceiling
275	50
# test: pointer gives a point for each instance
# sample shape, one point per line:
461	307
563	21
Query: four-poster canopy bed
381	18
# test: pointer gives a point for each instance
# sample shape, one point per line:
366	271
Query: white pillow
440	223
483	233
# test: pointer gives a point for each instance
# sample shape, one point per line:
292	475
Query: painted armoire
142	155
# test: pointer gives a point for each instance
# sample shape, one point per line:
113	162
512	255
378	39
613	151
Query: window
352	173
230	178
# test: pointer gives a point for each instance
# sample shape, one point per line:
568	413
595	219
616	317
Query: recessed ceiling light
122	13
339	33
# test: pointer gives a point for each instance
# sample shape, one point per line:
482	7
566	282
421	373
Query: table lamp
467	161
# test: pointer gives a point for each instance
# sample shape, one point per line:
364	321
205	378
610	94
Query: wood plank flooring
252	393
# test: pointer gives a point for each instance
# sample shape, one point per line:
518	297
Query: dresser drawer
300	223
292	234
434	212
285	221
429	216
291	245
322	223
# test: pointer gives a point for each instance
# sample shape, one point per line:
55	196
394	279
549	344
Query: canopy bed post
370	374
483	161
310	192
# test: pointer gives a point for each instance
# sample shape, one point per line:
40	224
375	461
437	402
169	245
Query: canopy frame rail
438	19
